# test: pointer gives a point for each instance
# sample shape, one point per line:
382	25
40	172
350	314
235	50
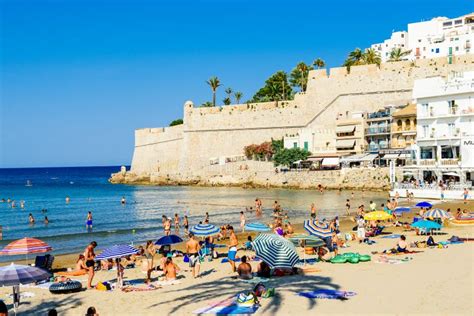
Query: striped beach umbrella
25	246
276	251
317	229
116	252
437	213
204	230
257	227
16	274
424	204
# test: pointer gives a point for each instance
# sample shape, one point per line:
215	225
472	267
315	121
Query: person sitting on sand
106	264
289	229
81	264
263	270
324	254
91	311
248	243
244	269
170	269
402	245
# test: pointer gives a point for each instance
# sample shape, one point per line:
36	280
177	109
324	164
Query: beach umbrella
25	246
276	251
317	229
117	252
377	216
437	213
424	204
169	240
424	224
402	209
257	227
15	274
307	240
204	230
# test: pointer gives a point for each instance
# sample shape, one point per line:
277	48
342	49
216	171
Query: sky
78	77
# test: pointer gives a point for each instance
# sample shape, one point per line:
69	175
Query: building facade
403	130
438	37
377	132
445	127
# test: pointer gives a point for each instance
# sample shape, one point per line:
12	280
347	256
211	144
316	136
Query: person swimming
123	201
46	220
89	220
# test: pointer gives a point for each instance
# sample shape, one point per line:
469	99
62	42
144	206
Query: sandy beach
435	281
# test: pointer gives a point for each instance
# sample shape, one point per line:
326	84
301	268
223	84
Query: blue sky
77	77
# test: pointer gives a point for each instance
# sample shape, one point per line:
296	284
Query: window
402	35
295	145
457	48
449	23
457	22
452	106
425	130
426	153
449	152
424	109
407	125
451	129
437	51
306	146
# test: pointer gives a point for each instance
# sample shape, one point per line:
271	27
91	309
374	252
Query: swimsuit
193	259
90	263
232	253
89	222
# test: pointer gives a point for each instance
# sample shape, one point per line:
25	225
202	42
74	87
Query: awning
315	158
330	162
345	129
450	174
353	158
390	156
370	157
404	156
345	143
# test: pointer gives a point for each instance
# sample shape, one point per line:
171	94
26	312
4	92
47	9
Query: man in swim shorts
233	242
89	220
89	256
192	250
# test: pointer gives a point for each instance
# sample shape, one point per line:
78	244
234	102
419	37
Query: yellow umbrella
377	216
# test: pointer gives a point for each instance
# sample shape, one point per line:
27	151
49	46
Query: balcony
377	130
449	162
427	162
379	115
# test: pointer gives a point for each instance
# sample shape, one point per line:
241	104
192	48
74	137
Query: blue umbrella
424	224
257	227
168	240
317	229
424	204
402	209
204	230
276	251
116	252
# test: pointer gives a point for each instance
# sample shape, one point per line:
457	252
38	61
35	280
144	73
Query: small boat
466	221
28	183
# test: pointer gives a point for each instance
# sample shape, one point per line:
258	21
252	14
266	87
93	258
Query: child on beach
242	221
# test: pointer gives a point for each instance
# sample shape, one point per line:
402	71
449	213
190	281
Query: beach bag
348	237
259	289
103	286
269	293
186	259
246	299
454	239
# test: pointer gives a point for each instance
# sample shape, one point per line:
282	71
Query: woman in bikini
150	251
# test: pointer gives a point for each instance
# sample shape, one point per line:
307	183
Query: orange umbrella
25	246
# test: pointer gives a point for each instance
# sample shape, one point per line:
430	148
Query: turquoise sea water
140	218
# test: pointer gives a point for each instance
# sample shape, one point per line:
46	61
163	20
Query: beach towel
386	260
327	294
166	282
255	280
127	289
308	261
391	236
227	307
72	273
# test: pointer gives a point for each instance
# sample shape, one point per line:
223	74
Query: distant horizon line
57	167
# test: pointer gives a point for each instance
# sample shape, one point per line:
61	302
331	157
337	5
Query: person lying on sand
80	269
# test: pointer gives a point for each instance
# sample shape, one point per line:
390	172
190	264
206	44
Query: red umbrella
25	246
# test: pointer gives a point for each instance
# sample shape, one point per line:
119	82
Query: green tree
176	122
299	76
318	62
286	157
277	144
238	95
214	83
396	54
371	56
207	104
227	101
277	81
229	91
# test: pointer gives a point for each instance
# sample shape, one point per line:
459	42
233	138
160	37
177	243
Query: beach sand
436	282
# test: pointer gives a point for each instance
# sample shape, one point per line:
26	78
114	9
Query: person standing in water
242	221
67	199
176	222
348	207
123	201
313	211
167	227
206	219
46	220
89	220
31	219
186	224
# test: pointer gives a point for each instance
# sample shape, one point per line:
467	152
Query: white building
435	38
445	128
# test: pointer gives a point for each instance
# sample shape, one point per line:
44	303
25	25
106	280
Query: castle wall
224	131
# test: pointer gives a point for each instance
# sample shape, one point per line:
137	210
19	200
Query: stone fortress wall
184	151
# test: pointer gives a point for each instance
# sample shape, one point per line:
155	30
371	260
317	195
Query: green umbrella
306	240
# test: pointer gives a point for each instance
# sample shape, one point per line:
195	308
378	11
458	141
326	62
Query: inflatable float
463	221
350	257
65	287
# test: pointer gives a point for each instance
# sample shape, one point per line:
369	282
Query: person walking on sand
242	221
150	251
192	251
168	227
186	224
313	211
372	206
465	195
233	242
89	220
89	256
361	229
348	207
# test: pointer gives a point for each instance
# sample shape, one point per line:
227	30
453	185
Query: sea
44	191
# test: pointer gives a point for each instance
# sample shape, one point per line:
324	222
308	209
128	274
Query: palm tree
207	104
229	91
371	56
274	92
354	58
397	54
319	63
214	83
238	95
